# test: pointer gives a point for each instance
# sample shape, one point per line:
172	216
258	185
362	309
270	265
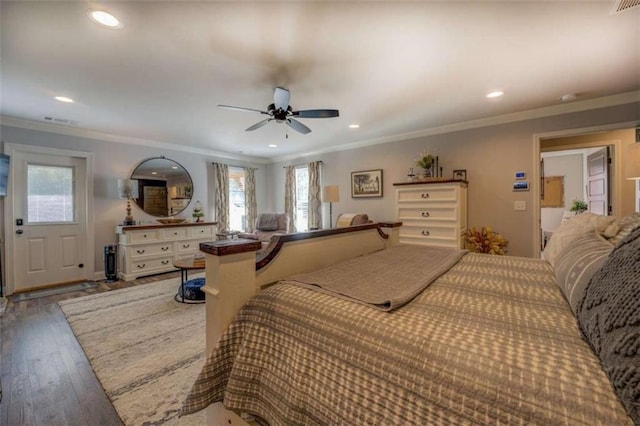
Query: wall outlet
520	205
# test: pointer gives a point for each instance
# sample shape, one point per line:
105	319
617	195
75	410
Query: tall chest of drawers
152	249
432	213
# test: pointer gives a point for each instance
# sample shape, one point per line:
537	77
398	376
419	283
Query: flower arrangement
485	241
425	160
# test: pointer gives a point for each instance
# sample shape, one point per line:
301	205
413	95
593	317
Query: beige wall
490	155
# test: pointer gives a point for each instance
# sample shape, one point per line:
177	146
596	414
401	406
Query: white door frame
11	149
535	176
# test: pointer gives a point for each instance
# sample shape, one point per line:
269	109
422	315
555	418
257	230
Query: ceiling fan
281	112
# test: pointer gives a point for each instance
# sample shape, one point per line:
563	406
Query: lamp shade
127	188
632	161
330	194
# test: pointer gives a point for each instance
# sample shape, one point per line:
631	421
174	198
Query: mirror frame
183	191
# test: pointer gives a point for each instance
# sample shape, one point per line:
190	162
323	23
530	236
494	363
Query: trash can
111	262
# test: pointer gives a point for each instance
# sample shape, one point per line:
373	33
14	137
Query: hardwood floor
45	375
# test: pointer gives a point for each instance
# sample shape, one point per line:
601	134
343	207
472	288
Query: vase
426	173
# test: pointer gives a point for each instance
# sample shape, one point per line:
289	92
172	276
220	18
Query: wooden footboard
234	273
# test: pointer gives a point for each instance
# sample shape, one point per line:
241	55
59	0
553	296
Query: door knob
19	231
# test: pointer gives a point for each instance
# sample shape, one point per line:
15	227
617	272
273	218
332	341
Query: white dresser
152	249
432	213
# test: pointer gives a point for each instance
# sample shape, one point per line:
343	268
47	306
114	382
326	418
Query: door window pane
50	194
302	198
237	208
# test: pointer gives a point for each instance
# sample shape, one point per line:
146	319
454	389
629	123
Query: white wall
571	167
113	160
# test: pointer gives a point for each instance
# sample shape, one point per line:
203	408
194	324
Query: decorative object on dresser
460	174
152	249
366	183
330	194
432	213
128	189
197	212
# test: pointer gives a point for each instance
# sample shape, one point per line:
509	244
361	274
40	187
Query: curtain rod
301	164
233	165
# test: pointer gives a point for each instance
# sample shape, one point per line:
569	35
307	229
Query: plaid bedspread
491	341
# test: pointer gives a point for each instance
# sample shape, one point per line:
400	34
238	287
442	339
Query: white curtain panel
290	195
315	188
250	198
221	197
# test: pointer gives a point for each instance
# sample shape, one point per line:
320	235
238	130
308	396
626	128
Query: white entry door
598	182
49	240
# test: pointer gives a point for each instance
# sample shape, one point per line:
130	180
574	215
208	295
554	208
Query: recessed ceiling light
272	145
354	126
154	173
104	18
63	99
569	97
495	94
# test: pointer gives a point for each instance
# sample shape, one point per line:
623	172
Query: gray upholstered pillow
609	317
576	264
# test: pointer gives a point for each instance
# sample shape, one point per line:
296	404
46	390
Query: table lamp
127	190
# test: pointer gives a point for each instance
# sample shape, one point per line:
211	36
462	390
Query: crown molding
109	137
576	106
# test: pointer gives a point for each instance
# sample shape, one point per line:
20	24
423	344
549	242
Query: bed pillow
625	226
574	227
609	318
577	263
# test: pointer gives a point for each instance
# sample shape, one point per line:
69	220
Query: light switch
520	205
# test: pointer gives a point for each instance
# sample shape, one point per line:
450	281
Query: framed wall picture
366	183
460	174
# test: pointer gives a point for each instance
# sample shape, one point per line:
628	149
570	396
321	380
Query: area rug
145	348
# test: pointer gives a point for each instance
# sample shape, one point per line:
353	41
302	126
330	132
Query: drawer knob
186	245
425	195
425	233
425	214
144	236
175	233
140	266
165	262
139	251
164	248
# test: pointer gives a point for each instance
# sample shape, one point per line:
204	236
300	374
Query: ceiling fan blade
281	98
242	109
317	113
298	126
258	124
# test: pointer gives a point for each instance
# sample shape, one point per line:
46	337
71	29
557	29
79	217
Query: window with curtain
302	198
237	205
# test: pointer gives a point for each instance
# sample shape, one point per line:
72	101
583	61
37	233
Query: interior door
598	182
49	220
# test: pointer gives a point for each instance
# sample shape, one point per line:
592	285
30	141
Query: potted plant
425	161
578	206
197	212
485	241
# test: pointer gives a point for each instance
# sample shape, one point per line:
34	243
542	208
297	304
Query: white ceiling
393	68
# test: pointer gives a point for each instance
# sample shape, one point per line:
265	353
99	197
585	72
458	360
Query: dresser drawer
431	193
148	265
174	234
144	236
151	250
207	232
430	211
429	231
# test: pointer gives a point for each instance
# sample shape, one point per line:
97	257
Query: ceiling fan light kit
281	112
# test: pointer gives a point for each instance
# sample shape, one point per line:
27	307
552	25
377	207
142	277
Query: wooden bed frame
234	274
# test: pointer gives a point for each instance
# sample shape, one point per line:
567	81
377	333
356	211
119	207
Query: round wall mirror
164	187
